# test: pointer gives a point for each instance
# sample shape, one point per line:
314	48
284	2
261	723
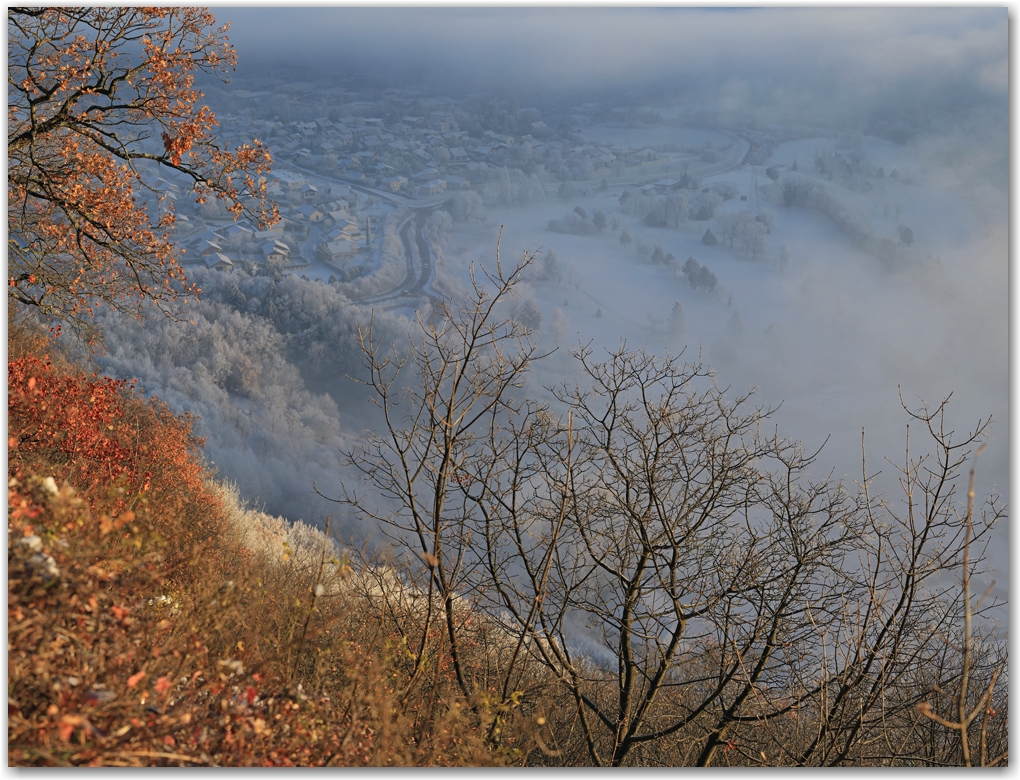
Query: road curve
414	282
420	267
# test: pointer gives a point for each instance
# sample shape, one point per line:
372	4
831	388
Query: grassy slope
154	620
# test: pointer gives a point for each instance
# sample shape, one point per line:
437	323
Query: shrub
102	430
110	664
154	621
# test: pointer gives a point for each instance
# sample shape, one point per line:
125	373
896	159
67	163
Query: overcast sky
793	54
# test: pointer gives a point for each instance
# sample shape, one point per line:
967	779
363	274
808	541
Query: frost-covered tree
698	276
574	223
529	315
677	319
559	326
552	269
511	187
465	206
704	206
752	237
438	227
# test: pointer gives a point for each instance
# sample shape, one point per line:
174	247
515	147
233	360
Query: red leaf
134	679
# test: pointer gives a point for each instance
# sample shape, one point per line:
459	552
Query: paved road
309	244
420	267
731	162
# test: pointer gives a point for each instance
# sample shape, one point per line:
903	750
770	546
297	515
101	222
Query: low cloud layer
818	62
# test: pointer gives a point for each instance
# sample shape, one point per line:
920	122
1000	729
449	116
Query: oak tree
100	99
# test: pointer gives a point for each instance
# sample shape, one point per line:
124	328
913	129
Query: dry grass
186	631
172	625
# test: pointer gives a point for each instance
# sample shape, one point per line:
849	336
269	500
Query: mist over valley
812	201
508	386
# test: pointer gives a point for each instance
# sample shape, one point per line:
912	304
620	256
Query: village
335	175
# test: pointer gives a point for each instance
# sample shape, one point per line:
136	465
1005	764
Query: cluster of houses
418	154
302	205
419	150
224	247
403	157
344	241
415	156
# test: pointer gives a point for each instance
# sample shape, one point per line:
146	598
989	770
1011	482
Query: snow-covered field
835	336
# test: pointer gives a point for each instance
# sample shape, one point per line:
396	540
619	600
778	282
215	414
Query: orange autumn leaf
68	723
134	679
80	235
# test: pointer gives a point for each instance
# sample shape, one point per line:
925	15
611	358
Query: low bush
155	620
144	629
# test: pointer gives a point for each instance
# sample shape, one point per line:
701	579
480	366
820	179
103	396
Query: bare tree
976	664
466	363
648	556
656	527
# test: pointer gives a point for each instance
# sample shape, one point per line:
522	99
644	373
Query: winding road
420	266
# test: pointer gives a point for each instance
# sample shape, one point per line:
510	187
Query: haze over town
815	200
